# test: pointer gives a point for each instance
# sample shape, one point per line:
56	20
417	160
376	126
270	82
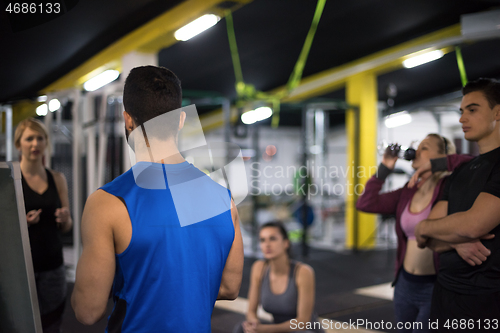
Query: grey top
283	306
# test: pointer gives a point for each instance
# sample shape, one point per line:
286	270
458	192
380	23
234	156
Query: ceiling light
101	80
397	119
248	117
42	110
197	26
258	114
54	105
263	112
422	58
42	98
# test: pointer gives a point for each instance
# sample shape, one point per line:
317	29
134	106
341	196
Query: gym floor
349	287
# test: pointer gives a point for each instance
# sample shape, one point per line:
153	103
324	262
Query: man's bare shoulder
104	206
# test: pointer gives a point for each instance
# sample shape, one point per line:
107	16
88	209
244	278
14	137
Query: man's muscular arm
233	271
477	222
96	267
473	252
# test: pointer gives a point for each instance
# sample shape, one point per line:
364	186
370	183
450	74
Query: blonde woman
47	212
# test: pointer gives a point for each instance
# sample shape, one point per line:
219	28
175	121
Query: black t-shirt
482	174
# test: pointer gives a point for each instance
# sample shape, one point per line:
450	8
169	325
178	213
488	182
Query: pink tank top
410	220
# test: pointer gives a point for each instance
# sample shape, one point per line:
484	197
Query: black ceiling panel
31	59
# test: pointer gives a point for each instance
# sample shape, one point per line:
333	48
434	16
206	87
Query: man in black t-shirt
468	297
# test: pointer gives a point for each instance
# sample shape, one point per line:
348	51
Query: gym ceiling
62	51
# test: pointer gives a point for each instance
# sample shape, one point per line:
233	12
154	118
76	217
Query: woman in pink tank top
415	268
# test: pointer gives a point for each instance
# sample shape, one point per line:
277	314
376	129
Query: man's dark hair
151	91
489	87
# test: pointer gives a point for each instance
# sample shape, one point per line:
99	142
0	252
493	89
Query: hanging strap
247	92
294	80
461	66
234	54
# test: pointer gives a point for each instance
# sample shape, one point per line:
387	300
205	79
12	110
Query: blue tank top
168	278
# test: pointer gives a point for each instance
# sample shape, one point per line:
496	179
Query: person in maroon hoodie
415	267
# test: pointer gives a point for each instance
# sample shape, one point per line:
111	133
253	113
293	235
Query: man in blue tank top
163	236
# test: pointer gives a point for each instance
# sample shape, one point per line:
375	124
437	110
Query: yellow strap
247	92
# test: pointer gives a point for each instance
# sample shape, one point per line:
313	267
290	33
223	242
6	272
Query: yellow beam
114	64
361	128
24	109
215	119
143	38
379	63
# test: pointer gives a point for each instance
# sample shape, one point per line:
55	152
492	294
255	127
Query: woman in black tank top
285	288
47	212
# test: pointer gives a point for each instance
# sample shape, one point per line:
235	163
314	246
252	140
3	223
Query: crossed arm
461	231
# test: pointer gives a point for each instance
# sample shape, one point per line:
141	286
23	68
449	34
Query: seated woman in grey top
286	288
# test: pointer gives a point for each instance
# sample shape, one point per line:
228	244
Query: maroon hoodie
394	202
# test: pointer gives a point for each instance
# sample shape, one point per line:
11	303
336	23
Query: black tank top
45	237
